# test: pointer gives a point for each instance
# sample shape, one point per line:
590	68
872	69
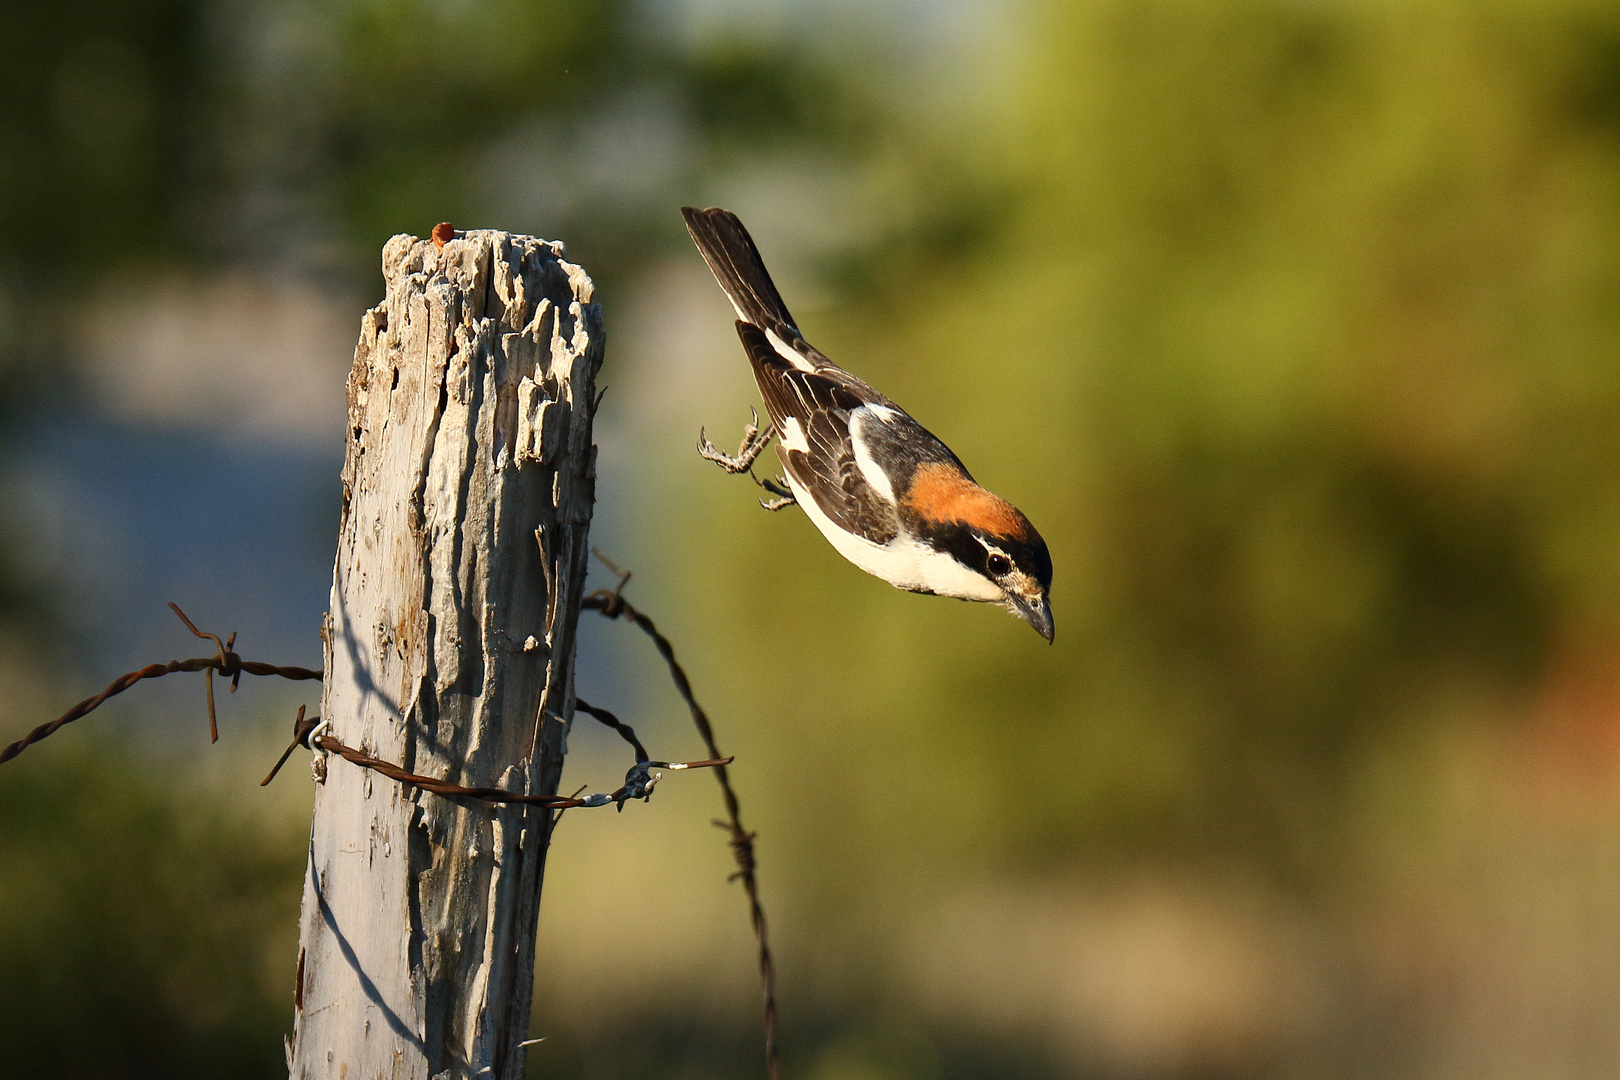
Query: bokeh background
1293	324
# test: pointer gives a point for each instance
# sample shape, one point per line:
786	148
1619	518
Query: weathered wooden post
467	496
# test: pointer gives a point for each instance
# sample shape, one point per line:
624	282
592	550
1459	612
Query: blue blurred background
1293	324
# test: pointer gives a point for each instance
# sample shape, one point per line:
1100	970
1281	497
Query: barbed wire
611	604
638	782
225	661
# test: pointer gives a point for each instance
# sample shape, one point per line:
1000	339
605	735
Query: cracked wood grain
467	496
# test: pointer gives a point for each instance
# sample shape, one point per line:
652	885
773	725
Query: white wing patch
870	469
788	352
793	437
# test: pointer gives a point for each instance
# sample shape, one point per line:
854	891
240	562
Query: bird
886	493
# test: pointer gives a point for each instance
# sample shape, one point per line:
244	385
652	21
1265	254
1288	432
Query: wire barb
302	729
226	662
613	568
315	733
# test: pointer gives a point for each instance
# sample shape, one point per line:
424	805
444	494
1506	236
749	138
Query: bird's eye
999	565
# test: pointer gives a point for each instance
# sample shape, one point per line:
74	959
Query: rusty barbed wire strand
638	782
612	604
226	662
631	790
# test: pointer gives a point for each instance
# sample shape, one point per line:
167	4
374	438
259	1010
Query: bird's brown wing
822	402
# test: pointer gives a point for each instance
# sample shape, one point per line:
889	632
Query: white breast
902	562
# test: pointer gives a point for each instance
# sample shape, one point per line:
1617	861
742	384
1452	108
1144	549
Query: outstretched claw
754	442
778	487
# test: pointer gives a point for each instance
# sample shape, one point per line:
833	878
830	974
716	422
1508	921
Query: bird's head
998	555
1021	568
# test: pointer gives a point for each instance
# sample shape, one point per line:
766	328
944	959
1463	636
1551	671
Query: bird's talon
754	442
778	487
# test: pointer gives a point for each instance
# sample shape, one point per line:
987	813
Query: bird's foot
778	487
754	442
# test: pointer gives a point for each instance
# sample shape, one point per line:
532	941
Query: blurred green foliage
1298	347
98	102
144	932
1292	326
1294	333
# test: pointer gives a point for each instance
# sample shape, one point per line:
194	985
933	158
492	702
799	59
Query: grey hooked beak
1036	612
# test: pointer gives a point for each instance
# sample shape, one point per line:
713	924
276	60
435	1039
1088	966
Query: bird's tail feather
731	254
